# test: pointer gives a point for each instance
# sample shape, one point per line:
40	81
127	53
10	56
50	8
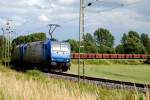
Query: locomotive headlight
53	59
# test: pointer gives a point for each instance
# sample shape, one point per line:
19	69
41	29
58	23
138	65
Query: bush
35	74
109	62
148	60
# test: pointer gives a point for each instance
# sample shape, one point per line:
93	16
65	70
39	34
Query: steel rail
108	83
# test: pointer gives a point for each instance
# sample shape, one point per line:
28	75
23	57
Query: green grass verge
110	61
132	73
34	85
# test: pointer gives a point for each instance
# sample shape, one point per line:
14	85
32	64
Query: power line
121	6
124	5
104	10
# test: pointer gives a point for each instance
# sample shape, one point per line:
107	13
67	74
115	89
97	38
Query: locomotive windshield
60	47
64	47
56	47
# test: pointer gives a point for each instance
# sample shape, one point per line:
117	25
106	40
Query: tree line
102	41
29	38
40	36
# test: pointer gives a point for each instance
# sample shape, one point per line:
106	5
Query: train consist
47	54
108	56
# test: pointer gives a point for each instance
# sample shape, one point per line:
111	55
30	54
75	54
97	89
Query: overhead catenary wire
116	8
122	5
105	10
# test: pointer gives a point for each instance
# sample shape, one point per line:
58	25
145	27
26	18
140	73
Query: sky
119	16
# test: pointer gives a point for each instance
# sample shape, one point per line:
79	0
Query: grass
111	61
133	73
33	85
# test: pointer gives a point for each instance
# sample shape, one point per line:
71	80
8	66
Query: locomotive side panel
16	54
34	53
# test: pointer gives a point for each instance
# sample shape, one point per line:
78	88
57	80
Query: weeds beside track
107	83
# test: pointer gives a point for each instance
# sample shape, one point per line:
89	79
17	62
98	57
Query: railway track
107	83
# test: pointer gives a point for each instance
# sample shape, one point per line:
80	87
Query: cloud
128	14
18	20
67	2
44	18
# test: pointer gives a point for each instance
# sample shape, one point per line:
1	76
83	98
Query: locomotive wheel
65	69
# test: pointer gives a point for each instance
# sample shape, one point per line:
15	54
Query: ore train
108	56
50	55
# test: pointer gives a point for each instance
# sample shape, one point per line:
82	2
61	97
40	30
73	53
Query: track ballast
107	83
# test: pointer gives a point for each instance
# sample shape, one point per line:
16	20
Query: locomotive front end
60	55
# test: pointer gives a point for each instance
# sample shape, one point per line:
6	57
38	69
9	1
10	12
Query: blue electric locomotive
47	54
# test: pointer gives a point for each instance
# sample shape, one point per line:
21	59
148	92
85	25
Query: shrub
148	60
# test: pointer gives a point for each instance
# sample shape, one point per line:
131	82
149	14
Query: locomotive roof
38	42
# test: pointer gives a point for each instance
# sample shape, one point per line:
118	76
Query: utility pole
3	45
7	42
81	32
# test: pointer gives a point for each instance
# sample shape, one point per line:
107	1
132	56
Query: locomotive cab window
56	47
60	47
64	47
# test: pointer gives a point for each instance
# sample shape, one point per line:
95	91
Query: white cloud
131	1
67	2
44	18
42	12
17	20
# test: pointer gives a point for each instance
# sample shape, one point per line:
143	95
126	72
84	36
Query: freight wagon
108	56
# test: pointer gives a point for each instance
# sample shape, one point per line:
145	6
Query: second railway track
107	83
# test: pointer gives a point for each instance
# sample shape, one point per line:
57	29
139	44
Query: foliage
74	45
131	44
148	60
29	38
101	42
89	44
133	34
104	40
111	62
145	41
35	74
104	37
119	49
1	41
57	89
3	46
106	49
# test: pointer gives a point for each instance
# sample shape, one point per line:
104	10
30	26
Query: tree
145	41
106	49
120	49
1	41
29	38
133	34
104	37
89	43
104	40
74	45
124	39
3	46
131	43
